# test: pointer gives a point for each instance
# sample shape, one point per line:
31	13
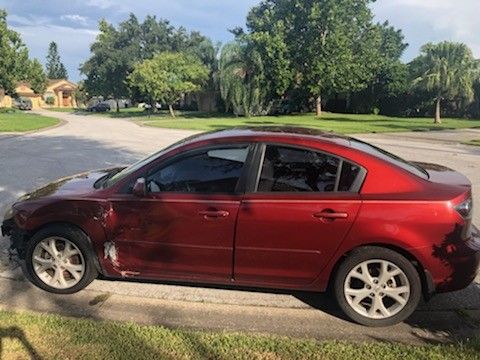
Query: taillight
465	209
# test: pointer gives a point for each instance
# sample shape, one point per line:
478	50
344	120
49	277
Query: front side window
211	171
288	169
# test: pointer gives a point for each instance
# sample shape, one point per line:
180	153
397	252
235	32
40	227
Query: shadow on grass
16	333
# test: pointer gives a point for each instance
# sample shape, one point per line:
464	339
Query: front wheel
59	260
376	287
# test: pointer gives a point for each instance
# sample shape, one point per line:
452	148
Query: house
24	90
5	101
61	92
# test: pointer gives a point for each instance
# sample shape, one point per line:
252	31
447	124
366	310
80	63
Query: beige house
23	89
62	91
5	101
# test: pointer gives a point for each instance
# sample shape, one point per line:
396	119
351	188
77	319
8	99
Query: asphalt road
92	142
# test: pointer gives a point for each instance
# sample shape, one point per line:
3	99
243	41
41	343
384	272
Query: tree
15	64
110	64
391	75
446	70
81	96
241	73
36	77
168	76
117	50
55	67
13	58
332	44
275	72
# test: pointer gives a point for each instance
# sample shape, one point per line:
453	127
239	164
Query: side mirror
140	187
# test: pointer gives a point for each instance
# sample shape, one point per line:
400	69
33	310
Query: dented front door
172	236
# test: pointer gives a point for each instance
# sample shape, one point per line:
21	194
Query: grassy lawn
341	123
17	121
473	142
28	335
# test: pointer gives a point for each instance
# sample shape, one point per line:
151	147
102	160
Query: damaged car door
182	224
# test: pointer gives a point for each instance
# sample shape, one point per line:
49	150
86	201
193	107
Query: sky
73	24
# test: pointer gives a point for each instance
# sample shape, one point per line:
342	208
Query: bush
7	110
50	100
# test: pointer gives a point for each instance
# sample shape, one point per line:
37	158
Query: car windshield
391	158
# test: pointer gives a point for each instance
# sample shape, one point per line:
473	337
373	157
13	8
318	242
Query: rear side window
212	171
348	176
288	169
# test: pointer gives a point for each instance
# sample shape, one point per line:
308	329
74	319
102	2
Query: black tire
366	253
77	237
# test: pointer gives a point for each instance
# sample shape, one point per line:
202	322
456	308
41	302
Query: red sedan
282	208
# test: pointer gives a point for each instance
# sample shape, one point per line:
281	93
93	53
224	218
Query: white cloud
79	19
433	20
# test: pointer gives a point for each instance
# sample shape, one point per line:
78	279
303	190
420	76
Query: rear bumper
463	263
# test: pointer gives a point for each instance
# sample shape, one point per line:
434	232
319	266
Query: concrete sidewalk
423	326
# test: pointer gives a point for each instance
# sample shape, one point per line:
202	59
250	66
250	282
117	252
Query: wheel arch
70	225
426	279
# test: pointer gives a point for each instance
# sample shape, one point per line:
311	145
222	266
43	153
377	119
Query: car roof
264	132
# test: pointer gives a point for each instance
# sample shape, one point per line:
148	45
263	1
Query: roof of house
55	81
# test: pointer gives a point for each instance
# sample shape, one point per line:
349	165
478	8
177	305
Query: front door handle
214	214
330	215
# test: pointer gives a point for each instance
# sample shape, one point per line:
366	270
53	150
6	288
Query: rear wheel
375	286
59	260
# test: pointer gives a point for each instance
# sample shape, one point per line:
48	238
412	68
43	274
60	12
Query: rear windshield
393	159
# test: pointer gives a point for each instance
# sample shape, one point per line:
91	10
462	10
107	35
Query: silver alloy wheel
377	289
58	262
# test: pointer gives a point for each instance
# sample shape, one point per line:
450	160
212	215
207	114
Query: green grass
17	121
28	335
341	123
472	142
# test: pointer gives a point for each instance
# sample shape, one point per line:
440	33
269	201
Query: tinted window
213	171
287	169
349	174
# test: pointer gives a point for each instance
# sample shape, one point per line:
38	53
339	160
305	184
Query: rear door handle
214	214
329	215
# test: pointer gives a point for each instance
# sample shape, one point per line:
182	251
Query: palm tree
447	70
241	72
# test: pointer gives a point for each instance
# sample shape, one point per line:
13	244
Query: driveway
89	142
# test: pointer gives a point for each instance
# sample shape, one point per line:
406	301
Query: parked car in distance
22	103
282	208
99	107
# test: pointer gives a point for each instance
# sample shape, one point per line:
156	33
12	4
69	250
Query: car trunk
443	175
